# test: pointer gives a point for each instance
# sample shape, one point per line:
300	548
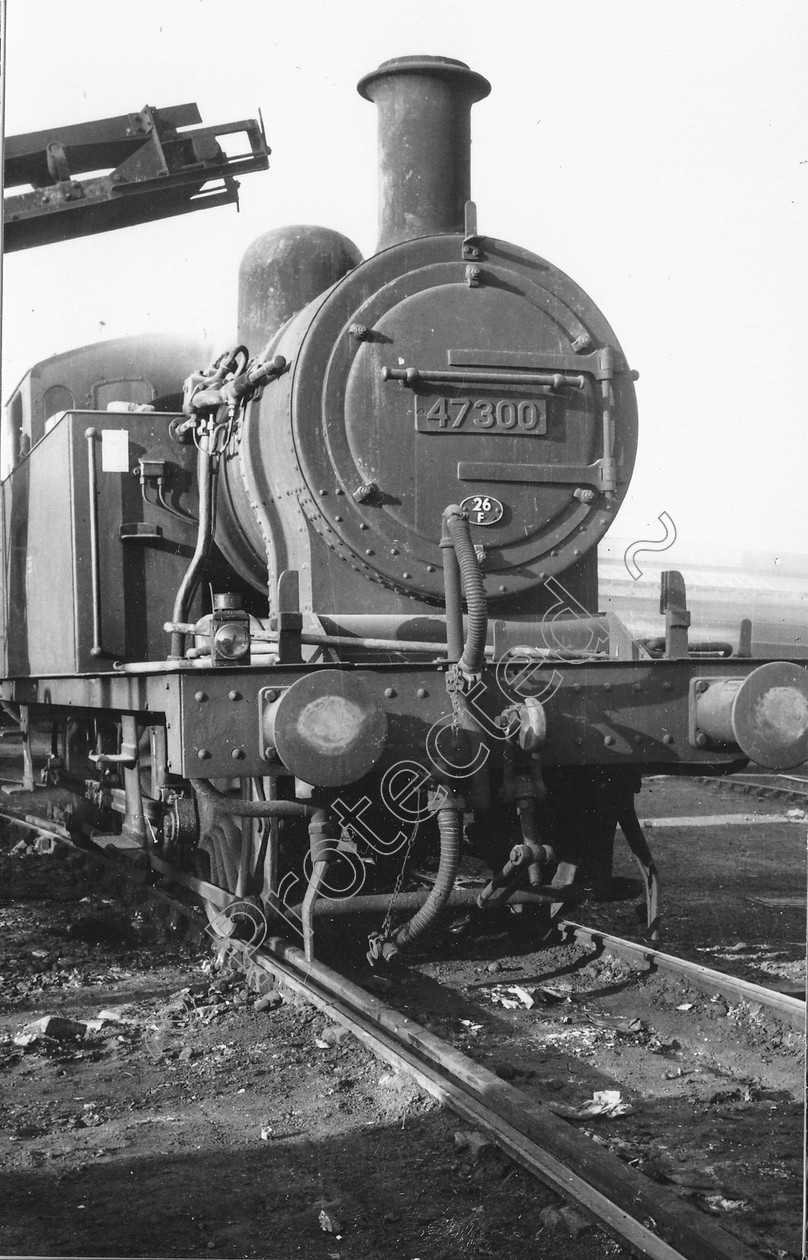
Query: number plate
527	418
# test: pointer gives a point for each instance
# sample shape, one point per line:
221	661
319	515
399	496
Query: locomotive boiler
314	637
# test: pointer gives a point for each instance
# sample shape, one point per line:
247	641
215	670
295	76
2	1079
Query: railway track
645	1216
789	1009
765	785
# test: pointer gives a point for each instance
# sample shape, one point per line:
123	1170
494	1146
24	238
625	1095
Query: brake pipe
462	571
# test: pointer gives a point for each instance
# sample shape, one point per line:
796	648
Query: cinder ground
190	1123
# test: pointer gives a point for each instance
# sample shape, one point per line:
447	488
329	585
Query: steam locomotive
309	629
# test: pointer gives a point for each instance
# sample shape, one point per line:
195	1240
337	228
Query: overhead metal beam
149	165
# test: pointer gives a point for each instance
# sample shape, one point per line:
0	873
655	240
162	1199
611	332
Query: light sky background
655	151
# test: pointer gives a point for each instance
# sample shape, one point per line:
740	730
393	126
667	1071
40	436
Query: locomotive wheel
225	857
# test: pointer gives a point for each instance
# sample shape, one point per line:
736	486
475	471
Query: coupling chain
456	685
384	932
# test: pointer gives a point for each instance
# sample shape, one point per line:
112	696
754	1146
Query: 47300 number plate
481	415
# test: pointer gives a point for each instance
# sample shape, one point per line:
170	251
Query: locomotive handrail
450	376
95	556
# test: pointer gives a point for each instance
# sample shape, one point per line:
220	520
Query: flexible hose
252	809
473	658
450	826
205	475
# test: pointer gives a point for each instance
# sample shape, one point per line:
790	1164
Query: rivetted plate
328	728
382	456
770	715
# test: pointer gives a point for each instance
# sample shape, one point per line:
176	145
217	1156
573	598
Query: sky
656	152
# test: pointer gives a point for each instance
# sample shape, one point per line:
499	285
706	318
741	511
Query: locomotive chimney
424	144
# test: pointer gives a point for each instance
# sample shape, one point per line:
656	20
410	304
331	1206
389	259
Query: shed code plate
482	509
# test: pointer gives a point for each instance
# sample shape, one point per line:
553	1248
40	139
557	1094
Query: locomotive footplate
219	722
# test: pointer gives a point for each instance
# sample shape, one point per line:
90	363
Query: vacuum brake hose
457	526
450	826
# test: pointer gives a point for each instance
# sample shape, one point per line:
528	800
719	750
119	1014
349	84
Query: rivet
609	741
340	491
269	696
406	575
322	493
363	525
576	686
666	686
368	551
237	754
337	518
430	568
701	740
701	685
422	693
204	754
667	739
394	551
390	692
200	696
607	686
503	588
234	695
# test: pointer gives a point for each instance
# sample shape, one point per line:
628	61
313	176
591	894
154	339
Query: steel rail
627	1204
789	787
790	1009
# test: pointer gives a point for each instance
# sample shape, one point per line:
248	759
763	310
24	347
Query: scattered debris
378	984
664	1047
719	1204
551	1218
117	1014
329	1223
551	996
269	1001
54	1027
686	1006
332	1035
618	1023
512	996
604	1103
475	1143
576	1222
